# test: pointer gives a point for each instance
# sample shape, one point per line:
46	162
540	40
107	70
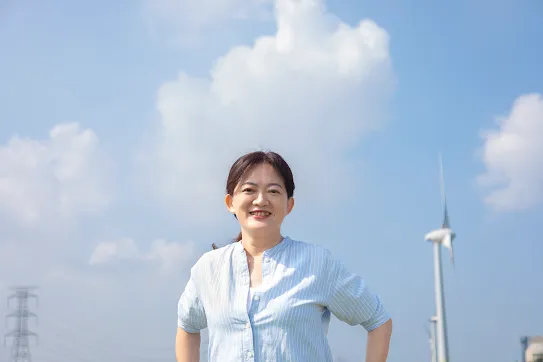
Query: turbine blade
428	332
446	223
447	242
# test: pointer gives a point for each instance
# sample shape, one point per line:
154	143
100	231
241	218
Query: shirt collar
272	251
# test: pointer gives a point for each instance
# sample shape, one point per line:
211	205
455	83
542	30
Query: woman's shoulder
314	251
308	246
210	258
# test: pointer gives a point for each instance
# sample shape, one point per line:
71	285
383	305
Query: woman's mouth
260	214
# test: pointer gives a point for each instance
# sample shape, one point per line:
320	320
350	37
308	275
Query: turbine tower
442	236
432	335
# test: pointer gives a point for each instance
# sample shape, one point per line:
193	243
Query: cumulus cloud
59	178
105	252
311	91
168	256
513	157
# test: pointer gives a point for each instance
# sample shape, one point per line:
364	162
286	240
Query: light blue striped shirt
288	317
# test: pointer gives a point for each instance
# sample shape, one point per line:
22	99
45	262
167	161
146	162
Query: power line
20	351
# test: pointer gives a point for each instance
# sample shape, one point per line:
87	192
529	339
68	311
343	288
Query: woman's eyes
248	190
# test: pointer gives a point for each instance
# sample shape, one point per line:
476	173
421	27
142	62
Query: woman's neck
255	245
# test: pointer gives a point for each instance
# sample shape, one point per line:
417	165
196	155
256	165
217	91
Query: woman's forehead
263	173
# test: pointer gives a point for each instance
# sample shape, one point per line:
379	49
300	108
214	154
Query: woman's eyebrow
254	184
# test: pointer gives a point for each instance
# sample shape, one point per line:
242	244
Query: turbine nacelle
443	236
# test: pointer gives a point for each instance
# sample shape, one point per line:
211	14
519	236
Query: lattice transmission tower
20	350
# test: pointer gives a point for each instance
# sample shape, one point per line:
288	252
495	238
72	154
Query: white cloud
59	178
106	252
311	92
167	256
513	157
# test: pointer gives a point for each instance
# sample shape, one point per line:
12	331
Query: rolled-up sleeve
351	301
191	315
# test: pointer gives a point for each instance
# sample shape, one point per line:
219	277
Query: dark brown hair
247	162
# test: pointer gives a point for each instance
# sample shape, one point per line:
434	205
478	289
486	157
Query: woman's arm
378	343
187	346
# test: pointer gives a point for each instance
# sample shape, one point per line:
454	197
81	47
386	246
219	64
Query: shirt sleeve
191	315
351	300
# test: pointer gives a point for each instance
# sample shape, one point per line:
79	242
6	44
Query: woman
268	298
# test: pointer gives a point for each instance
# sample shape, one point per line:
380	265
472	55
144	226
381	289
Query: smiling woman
267	297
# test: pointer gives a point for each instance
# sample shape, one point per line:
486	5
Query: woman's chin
259	227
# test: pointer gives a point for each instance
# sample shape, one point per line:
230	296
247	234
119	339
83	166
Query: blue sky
146	179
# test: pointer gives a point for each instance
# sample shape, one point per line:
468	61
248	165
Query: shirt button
248	325
249	354
257	297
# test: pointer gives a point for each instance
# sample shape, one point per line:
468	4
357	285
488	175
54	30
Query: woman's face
260	201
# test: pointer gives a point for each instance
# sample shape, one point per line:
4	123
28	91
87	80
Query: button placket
249	354
247	343
266	266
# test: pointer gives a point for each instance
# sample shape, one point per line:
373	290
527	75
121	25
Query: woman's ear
229	201
290	205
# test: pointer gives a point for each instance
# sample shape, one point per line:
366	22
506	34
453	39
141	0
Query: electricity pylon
20	351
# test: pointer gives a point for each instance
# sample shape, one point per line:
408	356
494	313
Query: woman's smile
260	214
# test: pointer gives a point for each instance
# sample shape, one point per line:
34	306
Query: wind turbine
442	236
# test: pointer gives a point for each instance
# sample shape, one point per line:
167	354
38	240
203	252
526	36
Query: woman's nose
261	198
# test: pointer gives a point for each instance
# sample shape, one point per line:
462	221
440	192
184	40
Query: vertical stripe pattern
288	318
